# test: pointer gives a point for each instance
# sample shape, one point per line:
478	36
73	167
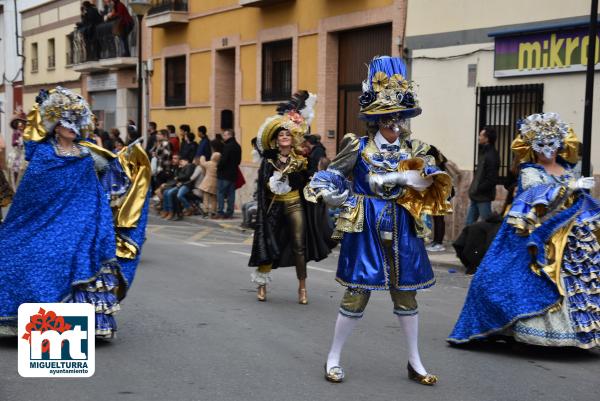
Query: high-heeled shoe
261	294
302	298
426	380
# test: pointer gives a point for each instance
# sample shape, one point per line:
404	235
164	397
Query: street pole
141	133
589	92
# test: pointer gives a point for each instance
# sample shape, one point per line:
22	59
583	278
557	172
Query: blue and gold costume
539	282
383	184
61	240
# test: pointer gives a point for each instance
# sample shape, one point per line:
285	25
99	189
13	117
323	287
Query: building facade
11	61
58	52
228	63
480	63
46	43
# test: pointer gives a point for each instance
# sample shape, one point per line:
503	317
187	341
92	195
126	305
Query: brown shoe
188	212
168	216
163	214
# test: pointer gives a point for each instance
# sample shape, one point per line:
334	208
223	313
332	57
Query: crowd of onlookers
114	18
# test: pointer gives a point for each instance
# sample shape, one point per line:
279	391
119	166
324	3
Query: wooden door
357	48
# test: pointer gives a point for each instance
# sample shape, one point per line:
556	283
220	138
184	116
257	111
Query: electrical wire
455	56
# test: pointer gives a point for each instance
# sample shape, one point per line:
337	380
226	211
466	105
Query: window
69	46
51	56
34	57
175	81
501	107
277	70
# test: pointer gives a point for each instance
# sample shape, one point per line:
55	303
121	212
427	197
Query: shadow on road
509	347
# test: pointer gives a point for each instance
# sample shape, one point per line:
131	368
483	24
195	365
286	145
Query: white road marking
320	269
241	253
197	244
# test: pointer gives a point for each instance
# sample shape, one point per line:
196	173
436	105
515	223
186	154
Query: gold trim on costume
34	129
136	165
288	197
569	151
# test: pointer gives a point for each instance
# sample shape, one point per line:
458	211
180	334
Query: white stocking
410	326
343	327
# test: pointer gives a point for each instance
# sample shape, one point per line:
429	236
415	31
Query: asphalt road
191	329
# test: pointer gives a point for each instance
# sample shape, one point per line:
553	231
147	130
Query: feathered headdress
294	115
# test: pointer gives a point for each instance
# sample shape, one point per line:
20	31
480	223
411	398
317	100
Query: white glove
334	198
585	183
279	184
411	178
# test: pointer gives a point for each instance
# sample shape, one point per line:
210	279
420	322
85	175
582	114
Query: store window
175	75
501	107
276	70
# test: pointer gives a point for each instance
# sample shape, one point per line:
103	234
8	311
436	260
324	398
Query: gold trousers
294	219
355	300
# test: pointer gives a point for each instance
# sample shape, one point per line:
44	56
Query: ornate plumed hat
545	133
59	106
387	92
294	115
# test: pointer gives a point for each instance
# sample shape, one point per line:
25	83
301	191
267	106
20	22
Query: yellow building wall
193	116
200	73
60	73
308	47
251	118
157	84
248	68
247	21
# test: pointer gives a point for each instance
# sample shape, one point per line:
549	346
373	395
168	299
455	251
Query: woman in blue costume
394	181
75	228
539	282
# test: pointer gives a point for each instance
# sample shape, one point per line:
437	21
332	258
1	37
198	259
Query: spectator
168	182
483	187
188	147
115	134
151	137
125	25
227	173
209	183
217	144
161	158
119	144
179	191
439	224
132	134
90	18
204	143
196	179
106	8
316	153
174	139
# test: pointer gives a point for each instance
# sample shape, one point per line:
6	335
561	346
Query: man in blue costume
394	182
76	226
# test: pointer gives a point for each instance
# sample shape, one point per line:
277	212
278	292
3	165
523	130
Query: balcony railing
159	6
34	65
97	46
51	62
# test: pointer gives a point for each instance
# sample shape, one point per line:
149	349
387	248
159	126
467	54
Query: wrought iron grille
501	107
159	6
277	70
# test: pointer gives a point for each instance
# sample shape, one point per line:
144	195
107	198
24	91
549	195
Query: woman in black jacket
289	230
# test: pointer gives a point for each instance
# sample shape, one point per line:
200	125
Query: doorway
356	49
224	89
